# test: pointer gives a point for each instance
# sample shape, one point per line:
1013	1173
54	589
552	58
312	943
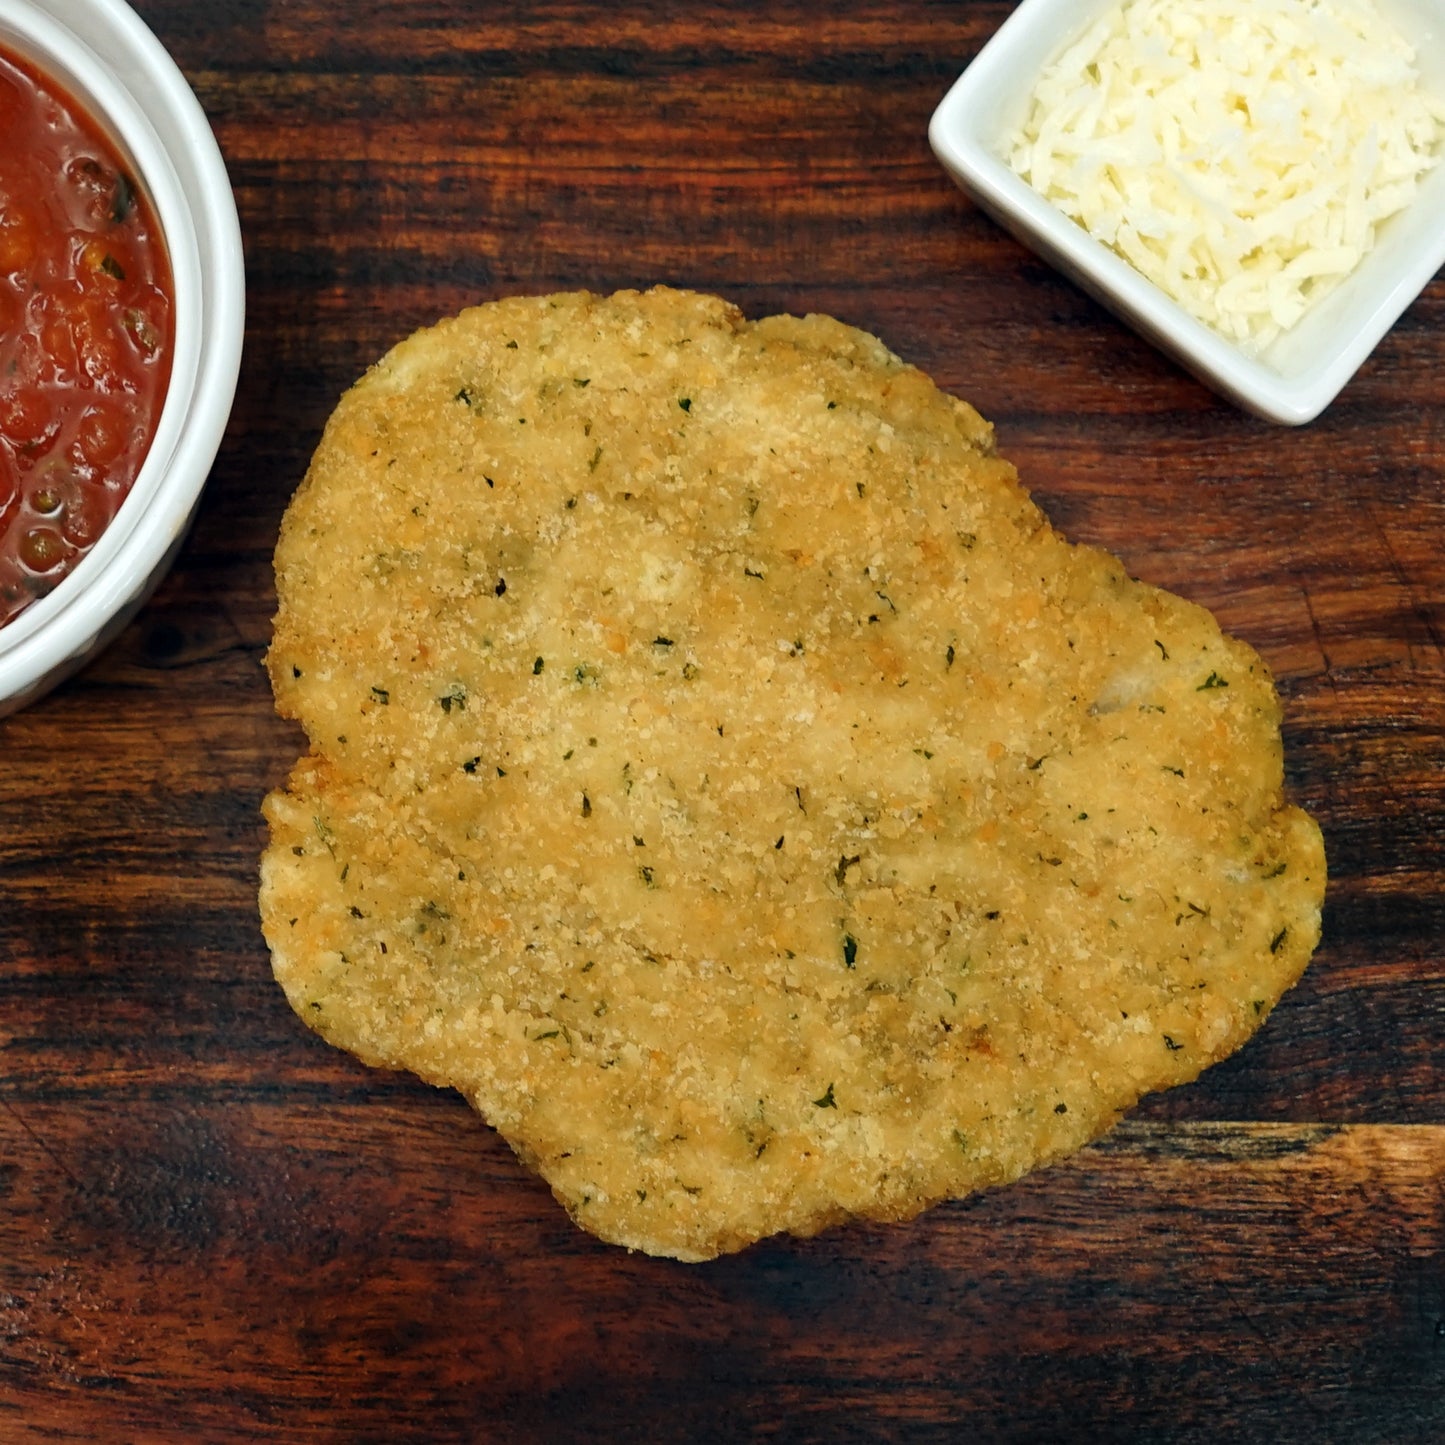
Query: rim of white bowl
139	95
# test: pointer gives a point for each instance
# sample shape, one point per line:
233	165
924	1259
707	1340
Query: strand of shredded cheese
1239	153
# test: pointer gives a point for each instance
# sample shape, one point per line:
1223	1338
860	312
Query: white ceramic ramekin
1294	378
103	55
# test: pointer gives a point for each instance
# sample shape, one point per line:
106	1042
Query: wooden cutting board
215	1227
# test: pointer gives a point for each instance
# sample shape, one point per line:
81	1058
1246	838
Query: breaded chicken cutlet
722	775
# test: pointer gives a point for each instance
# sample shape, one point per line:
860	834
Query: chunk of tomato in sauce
86	332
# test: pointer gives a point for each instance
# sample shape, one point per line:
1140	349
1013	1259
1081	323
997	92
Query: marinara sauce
86	332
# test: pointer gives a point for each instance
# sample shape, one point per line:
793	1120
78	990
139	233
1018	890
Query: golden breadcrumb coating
724	777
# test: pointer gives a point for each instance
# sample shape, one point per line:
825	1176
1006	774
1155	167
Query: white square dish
1295	377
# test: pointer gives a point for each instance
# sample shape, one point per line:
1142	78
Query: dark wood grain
214	1227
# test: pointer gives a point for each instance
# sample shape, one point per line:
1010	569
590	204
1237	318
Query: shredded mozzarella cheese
1239	153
